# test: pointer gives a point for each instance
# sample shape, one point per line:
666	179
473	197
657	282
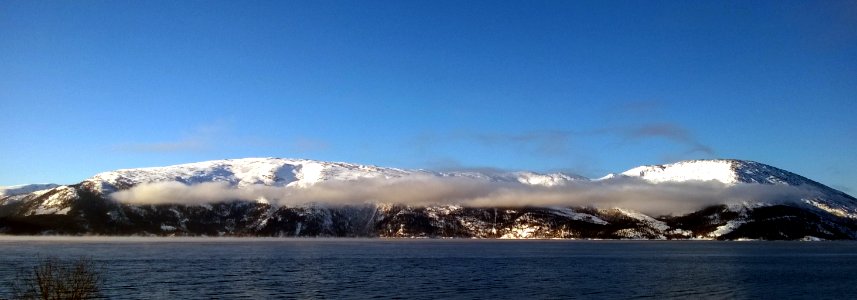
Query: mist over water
630	193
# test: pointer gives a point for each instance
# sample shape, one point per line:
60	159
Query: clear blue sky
586	87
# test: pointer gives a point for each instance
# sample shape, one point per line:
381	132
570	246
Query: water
198	268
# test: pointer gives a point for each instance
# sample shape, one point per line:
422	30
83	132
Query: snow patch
702	170
649	221
727	228
839	212
571	214
58	203
521	231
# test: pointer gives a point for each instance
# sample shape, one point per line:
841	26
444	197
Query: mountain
733	172
24	189
820	212
290	172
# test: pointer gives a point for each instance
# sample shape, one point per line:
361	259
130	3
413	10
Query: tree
55	279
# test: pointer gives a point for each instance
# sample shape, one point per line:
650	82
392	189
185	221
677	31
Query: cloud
546	142
652	199
669	131
303	144
559	142
201	138
650	115
184	145
222	136
553	143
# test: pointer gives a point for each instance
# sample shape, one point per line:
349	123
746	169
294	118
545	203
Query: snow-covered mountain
24	189
728	171
88	208
733	172
292	173
242	172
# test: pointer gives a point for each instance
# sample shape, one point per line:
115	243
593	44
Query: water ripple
371	269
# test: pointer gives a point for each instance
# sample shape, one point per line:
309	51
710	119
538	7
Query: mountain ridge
86	208
301	172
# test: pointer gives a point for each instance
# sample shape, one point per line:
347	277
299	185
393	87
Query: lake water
200	268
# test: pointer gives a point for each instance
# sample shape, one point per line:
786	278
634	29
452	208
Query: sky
586	87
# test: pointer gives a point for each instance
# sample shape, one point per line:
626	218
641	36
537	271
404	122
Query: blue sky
585	87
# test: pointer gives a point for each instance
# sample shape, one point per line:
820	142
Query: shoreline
110	238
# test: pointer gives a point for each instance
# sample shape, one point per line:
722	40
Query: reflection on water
366	268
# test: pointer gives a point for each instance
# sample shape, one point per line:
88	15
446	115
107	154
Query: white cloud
654	199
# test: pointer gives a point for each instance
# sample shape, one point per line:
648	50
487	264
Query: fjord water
208	268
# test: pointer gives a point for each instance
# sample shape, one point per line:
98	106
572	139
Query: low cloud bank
630	193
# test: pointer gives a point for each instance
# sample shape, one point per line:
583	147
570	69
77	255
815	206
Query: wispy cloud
542	143
201	138
546	142
669	131
304	144
653	199
220	136
185	145
651	122
450	164
561	142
